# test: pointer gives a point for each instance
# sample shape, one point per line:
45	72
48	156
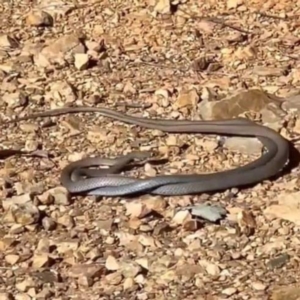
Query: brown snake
108	183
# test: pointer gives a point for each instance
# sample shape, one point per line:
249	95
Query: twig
217	21
262	14
221	22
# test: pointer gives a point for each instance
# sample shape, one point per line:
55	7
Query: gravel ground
185	60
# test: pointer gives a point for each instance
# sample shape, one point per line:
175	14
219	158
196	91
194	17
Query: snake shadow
294	161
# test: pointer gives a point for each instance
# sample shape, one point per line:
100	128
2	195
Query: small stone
22	296
66	246
110	240
147	241
31	145
246	221
43	245
66	220
245	53
171	140
149	170
39	18
235	255
213	67
209	145
85	281
7	68
94	254
88	270
205	26
24	285
111	263
58	195
130	269
168	276
211	268
6	296
45	293
163	6
181	217
140	279
105	225
234	3
94	46
178	252
25	214
144	262
98	30
258	286
229	291
12	259
98	134
137	209
13	100
129	88
188	99
163	93
6	243
81	61
48	224
191	225
72	124
40	261
134	223
16	200
32	292
16	229
114	278
235	37
128	284
157	204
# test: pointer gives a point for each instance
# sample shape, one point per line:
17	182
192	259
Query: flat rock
89	270
244	145
230	107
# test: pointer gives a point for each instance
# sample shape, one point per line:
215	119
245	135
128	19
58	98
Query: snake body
108	183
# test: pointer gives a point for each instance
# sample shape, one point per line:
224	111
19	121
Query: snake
78	178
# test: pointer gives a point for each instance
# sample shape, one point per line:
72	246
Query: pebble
258	286
39	18
229	291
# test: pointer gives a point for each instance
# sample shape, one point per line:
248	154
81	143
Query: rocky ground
184	59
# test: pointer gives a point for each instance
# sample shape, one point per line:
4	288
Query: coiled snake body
108	183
